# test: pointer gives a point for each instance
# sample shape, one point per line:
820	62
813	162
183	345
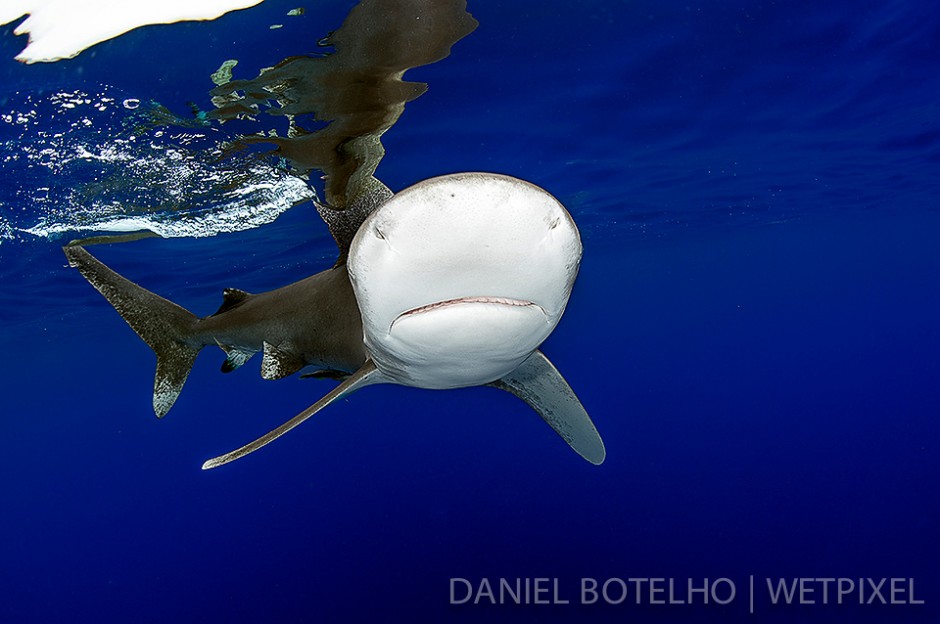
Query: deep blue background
754	331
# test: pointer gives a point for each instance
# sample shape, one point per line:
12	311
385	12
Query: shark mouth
504	301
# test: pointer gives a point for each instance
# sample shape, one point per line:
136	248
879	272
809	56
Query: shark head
460	278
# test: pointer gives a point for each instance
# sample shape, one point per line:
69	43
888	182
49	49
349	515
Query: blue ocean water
754	329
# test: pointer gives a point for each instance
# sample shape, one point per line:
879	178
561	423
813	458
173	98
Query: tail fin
162	324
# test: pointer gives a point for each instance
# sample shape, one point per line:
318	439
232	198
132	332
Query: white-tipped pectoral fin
367	375
537	382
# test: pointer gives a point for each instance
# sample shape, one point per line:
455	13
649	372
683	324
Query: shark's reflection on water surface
358	91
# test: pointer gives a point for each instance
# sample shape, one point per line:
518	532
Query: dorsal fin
277	363
231	298
344	221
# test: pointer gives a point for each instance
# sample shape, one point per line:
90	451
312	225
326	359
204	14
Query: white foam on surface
82	162
61	29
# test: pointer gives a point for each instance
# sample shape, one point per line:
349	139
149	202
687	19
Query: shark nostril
379	234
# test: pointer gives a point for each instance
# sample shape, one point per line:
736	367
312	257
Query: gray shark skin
318	321
313	322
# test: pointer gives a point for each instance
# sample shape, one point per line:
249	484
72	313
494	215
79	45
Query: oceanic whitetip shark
450	283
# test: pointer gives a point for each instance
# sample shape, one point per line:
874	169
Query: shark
453	282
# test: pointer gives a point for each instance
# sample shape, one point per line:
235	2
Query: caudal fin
162	324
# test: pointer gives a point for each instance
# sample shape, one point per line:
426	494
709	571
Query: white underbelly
459	344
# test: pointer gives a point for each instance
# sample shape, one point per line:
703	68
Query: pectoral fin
538	383
367	375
